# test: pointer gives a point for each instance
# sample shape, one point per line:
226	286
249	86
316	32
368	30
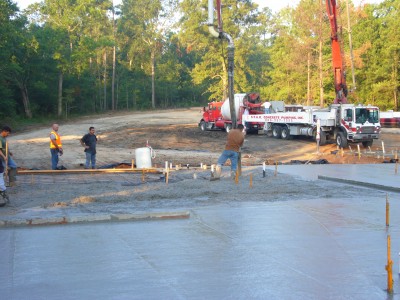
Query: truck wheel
203	126
322	138
285	133
367	144
228	127
276	132
341	140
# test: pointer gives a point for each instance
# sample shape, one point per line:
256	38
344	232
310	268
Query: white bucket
143	157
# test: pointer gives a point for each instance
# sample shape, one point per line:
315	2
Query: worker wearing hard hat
234	141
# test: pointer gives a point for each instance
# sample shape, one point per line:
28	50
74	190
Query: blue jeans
54	158
232	156
11	163
13	169
90	158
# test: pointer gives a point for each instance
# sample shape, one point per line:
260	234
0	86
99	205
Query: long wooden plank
90	171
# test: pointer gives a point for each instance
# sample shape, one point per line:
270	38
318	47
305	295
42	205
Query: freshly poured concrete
326	248
294	250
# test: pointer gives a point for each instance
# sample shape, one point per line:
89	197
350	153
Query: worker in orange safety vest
55	146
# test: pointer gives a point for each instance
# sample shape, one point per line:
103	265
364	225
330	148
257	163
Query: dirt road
175	137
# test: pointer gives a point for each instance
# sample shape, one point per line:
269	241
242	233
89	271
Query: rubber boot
233	175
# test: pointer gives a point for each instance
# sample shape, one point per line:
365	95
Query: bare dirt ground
176	138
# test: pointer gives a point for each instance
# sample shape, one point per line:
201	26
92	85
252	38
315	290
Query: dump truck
217	115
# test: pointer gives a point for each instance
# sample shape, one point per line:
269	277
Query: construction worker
266	106
89	141
3	195
234	141
55	146
10	167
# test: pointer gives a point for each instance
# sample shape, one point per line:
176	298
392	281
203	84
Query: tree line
63	57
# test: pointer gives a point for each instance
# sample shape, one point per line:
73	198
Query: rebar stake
388	268
251	180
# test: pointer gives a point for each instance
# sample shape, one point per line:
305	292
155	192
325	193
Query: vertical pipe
211	28
388	268
231	94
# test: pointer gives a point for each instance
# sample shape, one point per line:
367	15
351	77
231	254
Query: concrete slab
297	249
379	176
315	248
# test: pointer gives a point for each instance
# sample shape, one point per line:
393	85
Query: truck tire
341	140
322	138
276	131
367	144
285	133
203	126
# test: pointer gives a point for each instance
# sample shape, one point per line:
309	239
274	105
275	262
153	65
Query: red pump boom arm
337	61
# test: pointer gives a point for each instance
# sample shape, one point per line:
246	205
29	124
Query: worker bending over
234	141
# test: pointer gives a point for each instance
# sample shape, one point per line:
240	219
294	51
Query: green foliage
275	54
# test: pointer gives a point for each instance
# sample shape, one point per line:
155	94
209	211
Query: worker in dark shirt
234	141
89	141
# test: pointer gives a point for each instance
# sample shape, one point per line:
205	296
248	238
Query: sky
275	5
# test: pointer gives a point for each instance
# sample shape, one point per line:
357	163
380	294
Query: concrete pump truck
341	122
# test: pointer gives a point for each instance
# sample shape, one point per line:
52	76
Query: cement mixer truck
218	114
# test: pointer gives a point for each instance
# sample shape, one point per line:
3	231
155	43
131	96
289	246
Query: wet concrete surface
379	176
327	248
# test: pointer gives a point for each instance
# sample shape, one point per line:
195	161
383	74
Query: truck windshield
367	114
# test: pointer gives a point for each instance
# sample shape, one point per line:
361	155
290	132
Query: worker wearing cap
234	141
55	146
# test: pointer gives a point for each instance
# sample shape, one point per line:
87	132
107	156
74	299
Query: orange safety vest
58	140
